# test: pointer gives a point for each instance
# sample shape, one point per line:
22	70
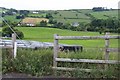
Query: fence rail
85	37
106	55
12	46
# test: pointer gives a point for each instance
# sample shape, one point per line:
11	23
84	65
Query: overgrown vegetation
40	62
7	32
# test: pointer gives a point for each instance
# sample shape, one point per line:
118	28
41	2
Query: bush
35	62
6	31
20	34
40	62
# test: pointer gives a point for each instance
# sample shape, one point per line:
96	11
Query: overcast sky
58	4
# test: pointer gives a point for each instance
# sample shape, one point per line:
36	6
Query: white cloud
57	4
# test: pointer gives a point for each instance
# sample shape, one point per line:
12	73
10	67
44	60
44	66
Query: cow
71	48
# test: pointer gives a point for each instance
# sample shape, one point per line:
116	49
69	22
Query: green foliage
49	15
12	18
110	24
20	34
37	63
40	62
43	23
7	31
105	14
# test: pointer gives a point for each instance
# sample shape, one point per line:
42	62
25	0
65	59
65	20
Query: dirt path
17	75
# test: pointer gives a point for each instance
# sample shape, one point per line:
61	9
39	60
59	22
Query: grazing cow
71	48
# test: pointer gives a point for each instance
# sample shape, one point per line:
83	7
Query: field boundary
12	46
106	60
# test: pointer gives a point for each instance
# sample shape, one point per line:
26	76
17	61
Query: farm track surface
17	75
23	76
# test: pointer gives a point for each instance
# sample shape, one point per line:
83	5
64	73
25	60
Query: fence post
15	49
55	52
107	46
13	44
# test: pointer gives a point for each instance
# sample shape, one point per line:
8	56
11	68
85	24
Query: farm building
33	21
75	24
35	12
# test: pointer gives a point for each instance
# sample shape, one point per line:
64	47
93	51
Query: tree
49	16
24	12
77	15
6	31
51	21
20	17
43	23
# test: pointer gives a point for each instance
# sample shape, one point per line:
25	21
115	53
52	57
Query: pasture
71	16
37	15
105	14
12	18
43	34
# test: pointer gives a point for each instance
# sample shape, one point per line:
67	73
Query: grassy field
37	15
12	18
79	15
71	16
46	35
105	14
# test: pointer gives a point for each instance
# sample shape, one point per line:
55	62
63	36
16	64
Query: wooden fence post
106	49
13	44
107	46
56	46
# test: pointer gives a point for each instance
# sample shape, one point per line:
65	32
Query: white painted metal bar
15	49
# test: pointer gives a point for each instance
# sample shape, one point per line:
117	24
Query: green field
71	16
37	15
43	34
105	14
12	18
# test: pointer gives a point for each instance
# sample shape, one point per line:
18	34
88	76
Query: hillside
64	16
80	15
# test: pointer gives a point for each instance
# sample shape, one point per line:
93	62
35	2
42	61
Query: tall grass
40	62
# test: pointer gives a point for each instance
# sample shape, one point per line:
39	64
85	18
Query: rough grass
33	20
40	62
46	35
